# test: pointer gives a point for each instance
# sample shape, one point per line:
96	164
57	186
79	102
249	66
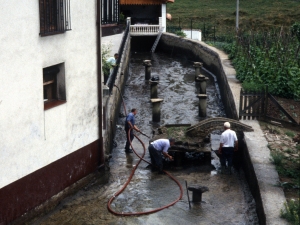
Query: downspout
99	84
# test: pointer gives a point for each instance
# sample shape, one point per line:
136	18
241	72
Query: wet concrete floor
228	200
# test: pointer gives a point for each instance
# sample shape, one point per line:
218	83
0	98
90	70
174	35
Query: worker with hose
157	148
130	123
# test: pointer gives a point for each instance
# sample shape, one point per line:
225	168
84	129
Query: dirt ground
281	143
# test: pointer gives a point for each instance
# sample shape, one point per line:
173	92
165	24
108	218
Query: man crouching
157	148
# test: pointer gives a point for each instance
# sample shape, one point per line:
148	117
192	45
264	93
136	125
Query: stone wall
194	51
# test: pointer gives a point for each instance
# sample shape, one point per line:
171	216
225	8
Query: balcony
144	29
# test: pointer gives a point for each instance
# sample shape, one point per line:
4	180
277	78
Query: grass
291	212
261	13
290	133
277	158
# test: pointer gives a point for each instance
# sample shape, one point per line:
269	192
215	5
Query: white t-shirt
111	61
228	138
161	144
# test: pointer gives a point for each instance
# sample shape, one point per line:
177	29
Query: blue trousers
226	156
156	157
127	146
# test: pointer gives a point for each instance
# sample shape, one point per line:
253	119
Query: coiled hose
131	175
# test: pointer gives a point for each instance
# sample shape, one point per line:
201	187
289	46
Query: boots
229	169
226	170
223	169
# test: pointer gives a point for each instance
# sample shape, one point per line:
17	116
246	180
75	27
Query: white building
49	73
193	34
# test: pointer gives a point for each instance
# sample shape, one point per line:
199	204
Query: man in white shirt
157	148
228	144
112	61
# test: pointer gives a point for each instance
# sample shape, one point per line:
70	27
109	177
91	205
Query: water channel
228	200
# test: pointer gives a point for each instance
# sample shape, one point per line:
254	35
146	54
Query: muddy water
228	200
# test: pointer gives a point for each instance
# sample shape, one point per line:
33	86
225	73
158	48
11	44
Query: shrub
105	50
290	134
251	86
269	58
291	212
277	158
180	33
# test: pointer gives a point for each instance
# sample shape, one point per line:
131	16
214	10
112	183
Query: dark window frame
54	89
55	17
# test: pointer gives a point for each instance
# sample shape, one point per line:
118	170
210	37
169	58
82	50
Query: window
54	86
55	17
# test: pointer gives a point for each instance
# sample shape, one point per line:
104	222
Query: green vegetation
277	158
251	86
266	49
221	14
122	17
291	212
176	132
180	33
105	50
286	166
269	58
290	133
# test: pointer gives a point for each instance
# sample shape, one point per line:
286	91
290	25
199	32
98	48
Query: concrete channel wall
112	102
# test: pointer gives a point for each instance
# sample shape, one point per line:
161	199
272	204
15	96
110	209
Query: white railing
144	29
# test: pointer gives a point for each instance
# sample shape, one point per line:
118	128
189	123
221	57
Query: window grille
55	17
110	11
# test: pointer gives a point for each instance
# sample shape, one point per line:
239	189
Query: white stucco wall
164	16
31	138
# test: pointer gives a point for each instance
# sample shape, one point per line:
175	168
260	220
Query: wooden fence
263	106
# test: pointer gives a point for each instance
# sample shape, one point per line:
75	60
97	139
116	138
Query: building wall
31	138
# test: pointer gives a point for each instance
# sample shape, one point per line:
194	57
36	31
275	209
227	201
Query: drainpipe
99	84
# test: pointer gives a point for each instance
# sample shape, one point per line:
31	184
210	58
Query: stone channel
228	201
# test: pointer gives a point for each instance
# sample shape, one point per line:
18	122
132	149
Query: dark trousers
156	157
227	155
127	146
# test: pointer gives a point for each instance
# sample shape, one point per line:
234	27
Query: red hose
130	177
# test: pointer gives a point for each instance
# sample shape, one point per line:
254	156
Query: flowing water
228	200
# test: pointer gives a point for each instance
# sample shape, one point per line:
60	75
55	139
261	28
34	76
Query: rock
269	138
